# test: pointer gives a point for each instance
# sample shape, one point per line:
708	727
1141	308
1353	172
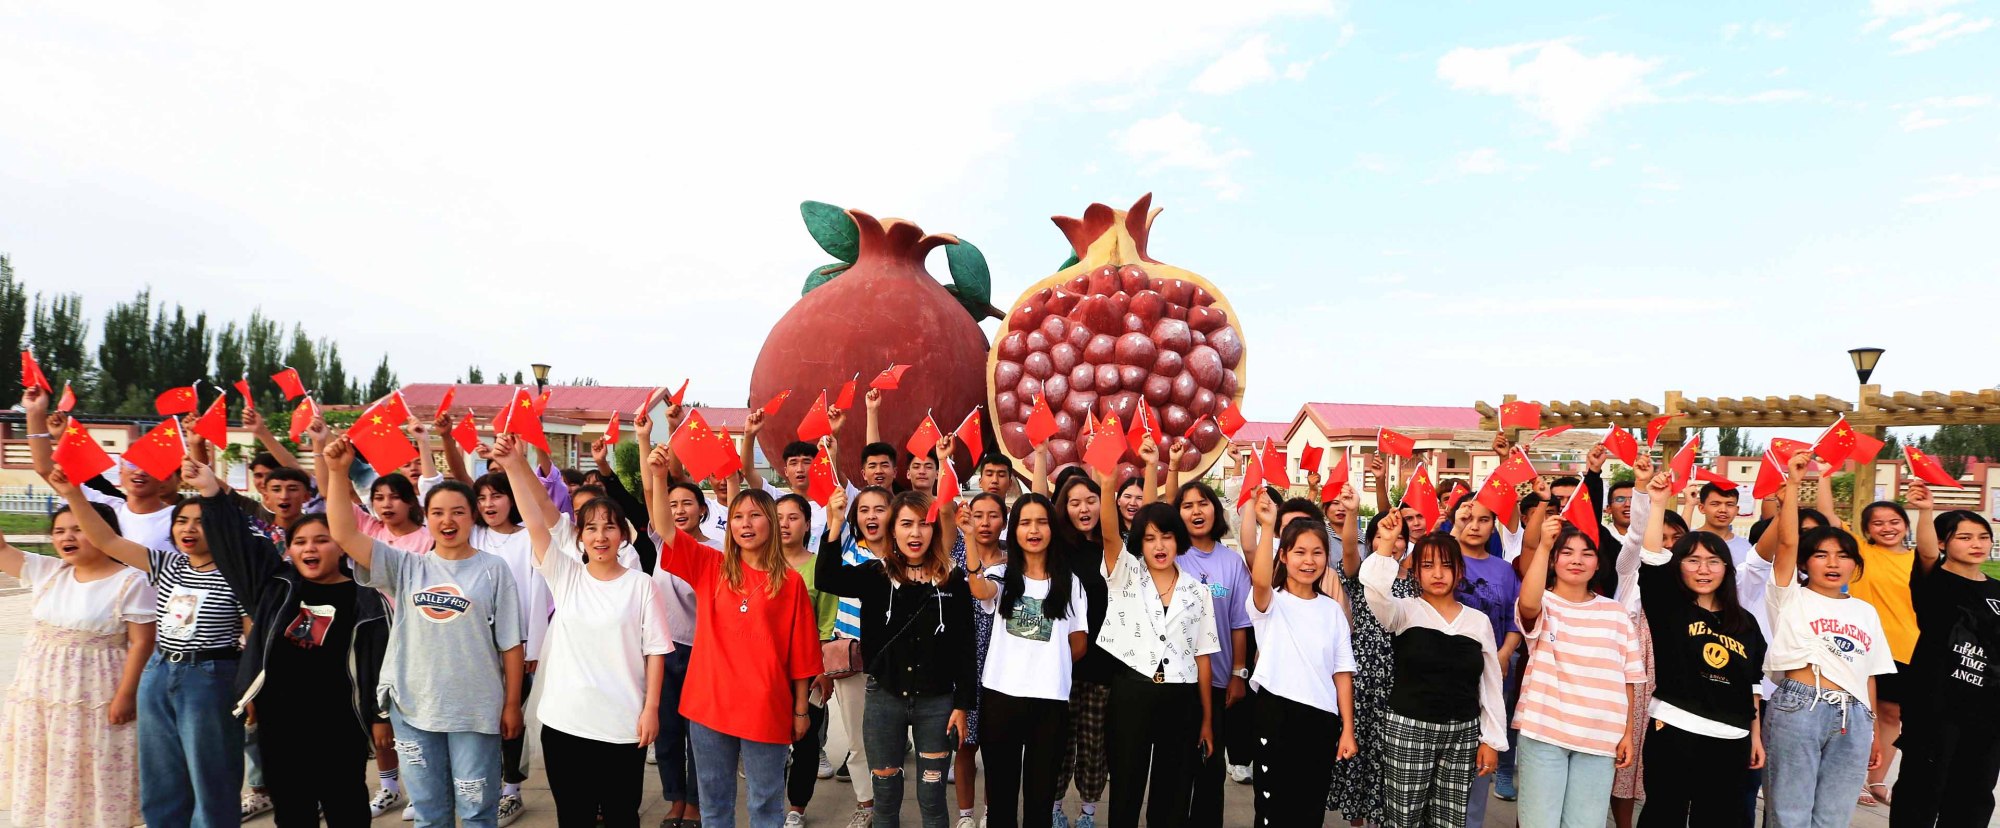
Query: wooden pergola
1871	414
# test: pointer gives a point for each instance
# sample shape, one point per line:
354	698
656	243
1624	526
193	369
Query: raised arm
101	534
41	443
874	402
657	463
454	457
1630	546
1784	567
537	510
336	457
1927	537
421	432
1593	480
1378	468
746	449
1175	451
245	558
1378	573
1263	564
1535	580
1039	460
1107	520
1660	491
1823	501
254	420
1350	541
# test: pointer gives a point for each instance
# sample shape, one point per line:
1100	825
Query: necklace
745	606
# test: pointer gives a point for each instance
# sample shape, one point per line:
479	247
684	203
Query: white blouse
1378	577
1149	640
103	606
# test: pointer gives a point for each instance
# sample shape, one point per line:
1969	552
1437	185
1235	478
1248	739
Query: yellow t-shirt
1884	582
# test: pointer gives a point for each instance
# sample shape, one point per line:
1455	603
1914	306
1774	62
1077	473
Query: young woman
1131	496
190	742
1025	669
1950	758
499	532
1884	582
1445	720
452	685
1085	755
396	518
1223	573
1826	650
1583	663
1628	781
607	649
314	657
1704	738
1161	720
756	652
916	638
866	539
673	750
980	550
68	746
1305	690
795	532
1360	785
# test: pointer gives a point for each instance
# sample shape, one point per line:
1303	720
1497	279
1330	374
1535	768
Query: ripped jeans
449	773
889	724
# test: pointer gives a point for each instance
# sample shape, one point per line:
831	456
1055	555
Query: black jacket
264	583
915	641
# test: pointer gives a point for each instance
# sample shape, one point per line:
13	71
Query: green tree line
144	346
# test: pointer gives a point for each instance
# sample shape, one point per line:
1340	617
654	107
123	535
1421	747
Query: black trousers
1210	772
587	776
315	767
1948	774
804	773
1694	780
1155	733
1294	759
510	749
1021	740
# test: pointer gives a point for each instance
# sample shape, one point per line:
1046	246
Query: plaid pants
1430	770
1086	754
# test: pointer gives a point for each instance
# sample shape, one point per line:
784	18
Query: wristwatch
1242	673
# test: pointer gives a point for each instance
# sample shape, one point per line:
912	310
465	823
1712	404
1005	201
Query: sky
1405	203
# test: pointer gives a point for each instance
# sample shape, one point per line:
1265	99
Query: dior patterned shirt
1154	638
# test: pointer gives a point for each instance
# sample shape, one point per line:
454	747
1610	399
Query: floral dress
1359	784
982	633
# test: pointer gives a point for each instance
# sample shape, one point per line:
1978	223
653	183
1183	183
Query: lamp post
541	370
1864	360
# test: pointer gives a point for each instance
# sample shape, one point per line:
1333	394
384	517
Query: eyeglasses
1704	563
1621	499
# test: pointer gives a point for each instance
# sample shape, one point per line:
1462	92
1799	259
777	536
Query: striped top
1581	656
197	610
847	614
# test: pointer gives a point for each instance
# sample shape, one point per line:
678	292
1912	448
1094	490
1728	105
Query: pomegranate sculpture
875	307
1112	330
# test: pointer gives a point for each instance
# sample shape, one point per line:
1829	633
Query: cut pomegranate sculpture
876	307
1112	332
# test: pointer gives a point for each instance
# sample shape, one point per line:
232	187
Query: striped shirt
847	614
1581	656
197	611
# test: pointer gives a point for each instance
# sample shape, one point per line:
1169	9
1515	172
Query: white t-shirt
679	598
534	593
151	530
1300	645
594	665
103	606
1842	636
1028	655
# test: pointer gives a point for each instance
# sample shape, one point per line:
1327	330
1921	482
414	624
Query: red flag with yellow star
79	455
174	402
159	453
1653	428
466	432
68	400
611	430
925	438
1580	514
1422	496
289	383
1396	443
380	440
1520	414
31	373
1498	496
1041	424
1927	469
1622	445
820	481
816	423
968	435
1835	444
302	417
213	425
522	420
698	448
1335	480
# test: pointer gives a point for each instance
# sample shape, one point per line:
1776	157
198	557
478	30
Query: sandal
1872	800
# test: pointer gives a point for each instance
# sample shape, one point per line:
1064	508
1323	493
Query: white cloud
1601	162
1172	142
1567	89
1779	72
1956	101
1953	187
1482	161
1656	178
1764	97
1346	35
1247	64
1915	119
1762	28
1920	114
1887	10
1930	33
1374	162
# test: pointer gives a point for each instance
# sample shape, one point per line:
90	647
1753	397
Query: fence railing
28	500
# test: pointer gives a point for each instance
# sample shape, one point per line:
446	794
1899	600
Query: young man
144	503
996	474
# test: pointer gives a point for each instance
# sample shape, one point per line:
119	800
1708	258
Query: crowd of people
1069	630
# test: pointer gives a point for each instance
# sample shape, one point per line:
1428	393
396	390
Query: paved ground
832	799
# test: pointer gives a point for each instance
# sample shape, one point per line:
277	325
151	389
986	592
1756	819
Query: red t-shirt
748	647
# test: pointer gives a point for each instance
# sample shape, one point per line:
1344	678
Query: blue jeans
677	764
886	723
763	771
253	758
1818	753
461	768
1562	788
190	744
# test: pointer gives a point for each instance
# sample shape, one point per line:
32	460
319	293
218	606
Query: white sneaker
255	803
410	812
794	819
510	810
383	800
863	817
965	822
1240	774
652	758
825	767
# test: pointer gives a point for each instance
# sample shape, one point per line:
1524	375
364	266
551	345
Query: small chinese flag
1229	419
925	438
1498	496
243	390
611	430
466	432
1866	448
288	382
1653	427
1423	497
968	435
541	402
1309	458
380	440
732	462
302	417
820	482
393	409
679	393
80	457
698	448
68	401
1394	443
522	420
890	379
845	400
450	394
1836	444
777	403
1718	478
1041	423
816	423
1189	434
1926	468
1089	430
1136	435
1683	463
1785	448
1253	474
159	453
213	425
1520	414
1549	433
175	401
947	490
1107	444
1516	469
31	373
1459	493
1275	471
1580	513
1770	476
1622	445
1336	480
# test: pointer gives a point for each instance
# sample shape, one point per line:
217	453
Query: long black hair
1012	585
495	482
1072	539
1735	621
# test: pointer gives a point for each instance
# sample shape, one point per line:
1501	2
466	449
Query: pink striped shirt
1581	656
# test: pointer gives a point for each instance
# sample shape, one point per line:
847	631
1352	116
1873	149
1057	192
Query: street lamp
1864	361
541	370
